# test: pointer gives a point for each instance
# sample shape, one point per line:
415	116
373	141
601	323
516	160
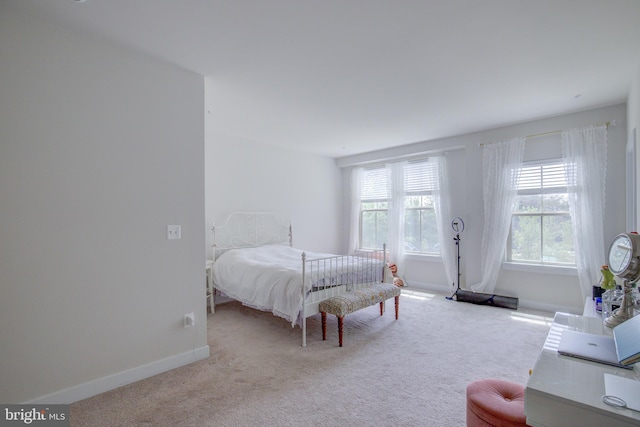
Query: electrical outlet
189	320
174	232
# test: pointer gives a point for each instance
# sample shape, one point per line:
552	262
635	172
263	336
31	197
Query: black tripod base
486	299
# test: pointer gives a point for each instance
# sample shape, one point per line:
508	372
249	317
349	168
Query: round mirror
624	259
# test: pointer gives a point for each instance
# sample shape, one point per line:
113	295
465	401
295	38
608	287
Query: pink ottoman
494	402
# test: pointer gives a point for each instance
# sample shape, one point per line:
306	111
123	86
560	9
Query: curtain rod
555	132
343	162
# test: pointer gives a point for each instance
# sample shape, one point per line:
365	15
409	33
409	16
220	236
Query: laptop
595	348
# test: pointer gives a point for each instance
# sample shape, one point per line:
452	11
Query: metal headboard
250	229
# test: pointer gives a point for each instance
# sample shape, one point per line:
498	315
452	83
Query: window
375	186
541	228
420	226
418	182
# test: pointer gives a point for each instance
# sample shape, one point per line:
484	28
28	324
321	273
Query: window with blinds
420	226
419	180
541	229
375	193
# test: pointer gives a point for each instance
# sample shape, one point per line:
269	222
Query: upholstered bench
351	302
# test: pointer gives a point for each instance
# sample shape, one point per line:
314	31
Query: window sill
538	268
423	257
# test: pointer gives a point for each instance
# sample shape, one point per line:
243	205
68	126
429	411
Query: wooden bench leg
397	305
324	325
340	327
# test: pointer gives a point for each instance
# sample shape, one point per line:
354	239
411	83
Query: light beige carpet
407	372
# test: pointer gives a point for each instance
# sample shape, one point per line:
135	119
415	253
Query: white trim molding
110	382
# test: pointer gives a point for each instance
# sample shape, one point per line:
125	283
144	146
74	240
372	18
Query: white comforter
268	278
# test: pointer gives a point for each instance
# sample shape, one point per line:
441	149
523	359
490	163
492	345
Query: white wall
243	175
543	290
100	148
633	122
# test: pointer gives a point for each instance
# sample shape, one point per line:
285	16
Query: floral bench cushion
350	302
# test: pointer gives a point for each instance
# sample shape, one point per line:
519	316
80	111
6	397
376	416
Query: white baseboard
523	303
423	286
550	308
110	382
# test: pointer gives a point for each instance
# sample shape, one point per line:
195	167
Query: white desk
590	309
563	391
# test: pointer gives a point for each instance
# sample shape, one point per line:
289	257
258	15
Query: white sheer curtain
395	243
500	165
354	235
442	203
584	152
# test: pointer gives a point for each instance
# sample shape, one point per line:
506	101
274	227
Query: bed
255	263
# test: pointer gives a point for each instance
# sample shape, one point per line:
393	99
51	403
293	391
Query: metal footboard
324	278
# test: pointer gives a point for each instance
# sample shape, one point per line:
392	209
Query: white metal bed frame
251	229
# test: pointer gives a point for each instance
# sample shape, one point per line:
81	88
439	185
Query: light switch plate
174	232
189	320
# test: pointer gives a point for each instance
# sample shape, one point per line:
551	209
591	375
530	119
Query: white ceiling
341	77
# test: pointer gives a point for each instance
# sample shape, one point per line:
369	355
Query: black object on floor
486	299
